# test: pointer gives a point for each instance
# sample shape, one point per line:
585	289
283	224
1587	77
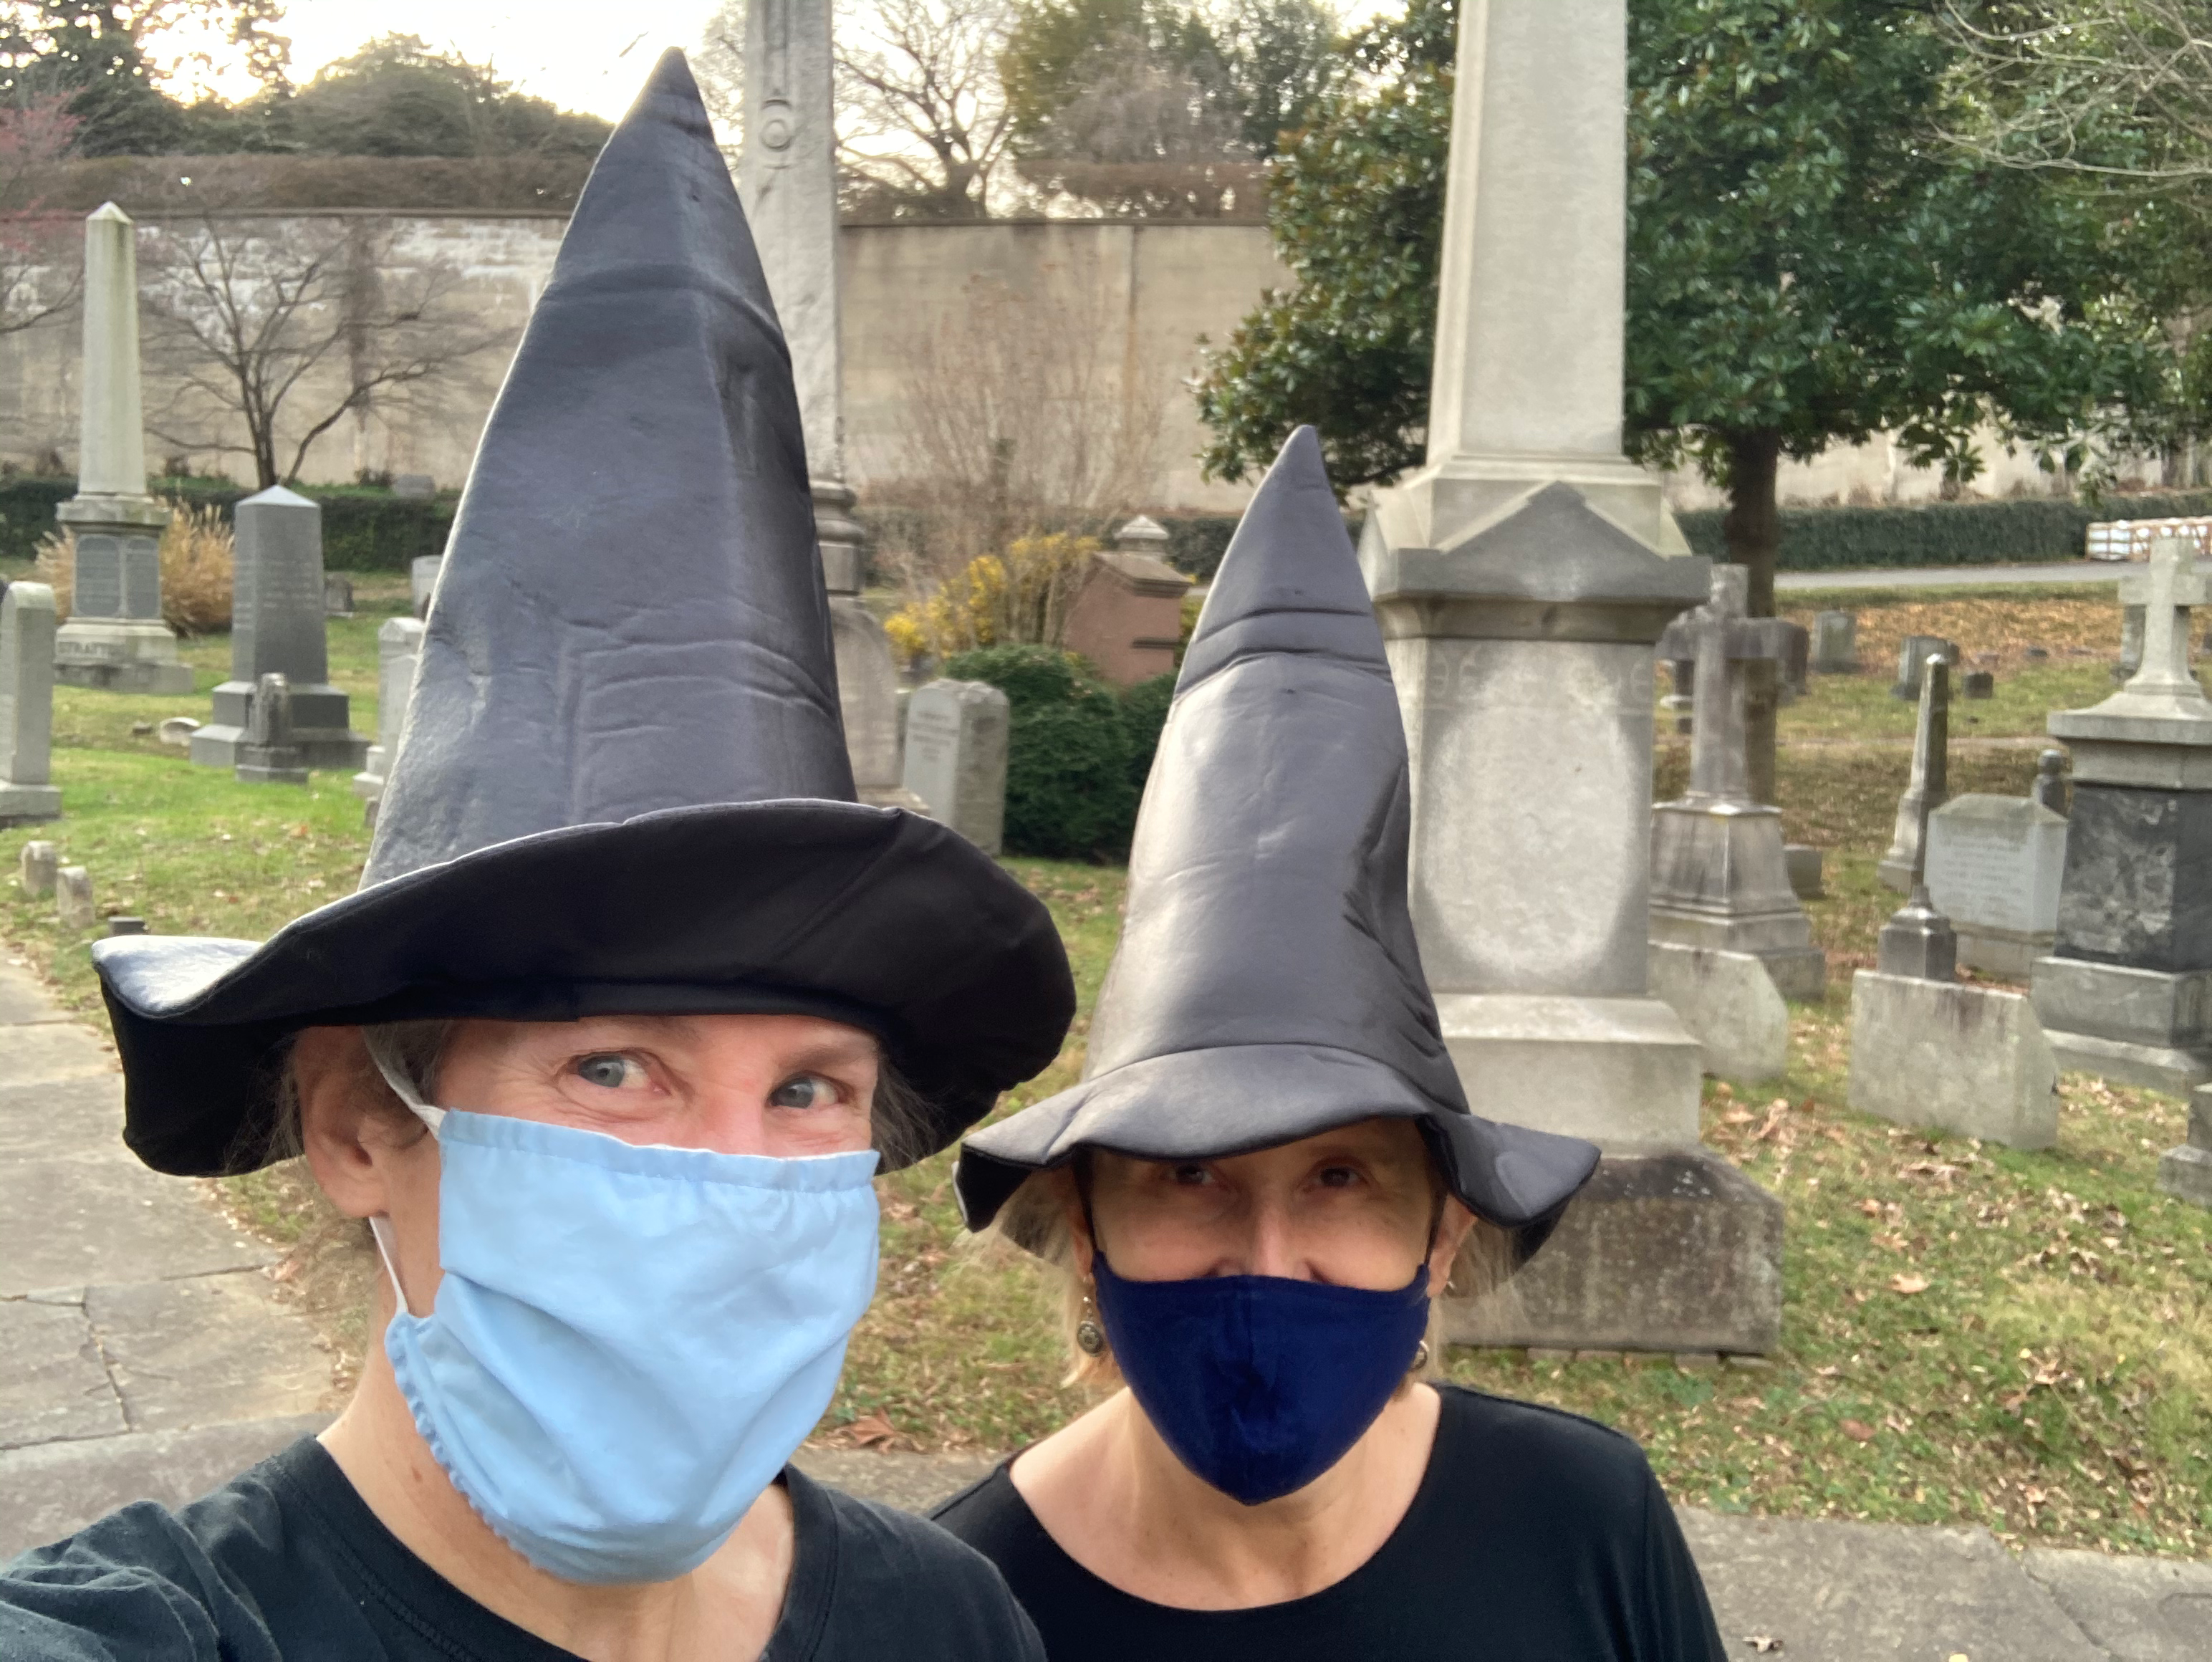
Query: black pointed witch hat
622	788
1268	986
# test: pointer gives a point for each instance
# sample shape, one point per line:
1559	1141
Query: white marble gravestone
27	794
277	626
1993	867
1946	1056
399	646
115	637
956	756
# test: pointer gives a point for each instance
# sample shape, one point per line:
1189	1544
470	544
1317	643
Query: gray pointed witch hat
1268	986
622	788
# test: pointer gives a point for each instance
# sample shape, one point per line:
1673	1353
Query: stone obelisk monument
115	637
1520	588
788	177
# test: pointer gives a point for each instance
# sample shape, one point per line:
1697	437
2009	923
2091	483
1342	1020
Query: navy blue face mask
1259	1384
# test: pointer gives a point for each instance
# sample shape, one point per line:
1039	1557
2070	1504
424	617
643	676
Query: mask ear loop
380	1226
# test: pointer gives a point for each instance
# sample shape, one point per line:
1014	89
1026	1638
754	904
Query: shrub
2025	529
1144	713
997	599
196	554
363	530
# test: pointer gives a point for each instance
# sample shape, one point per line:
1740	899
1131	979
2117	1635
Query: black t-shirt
1534	1535
286	1561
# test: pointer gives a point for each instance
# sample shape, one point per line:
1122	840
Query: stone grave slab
1835	643
1994	866
1946	1056
1731	1005
956	756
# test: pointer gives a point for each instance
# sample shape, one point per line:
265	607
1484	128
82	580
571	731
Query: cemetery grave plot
1970	1335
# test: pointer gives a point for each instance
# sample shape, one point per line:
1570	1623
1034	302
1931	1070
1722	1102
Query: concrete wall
1146	292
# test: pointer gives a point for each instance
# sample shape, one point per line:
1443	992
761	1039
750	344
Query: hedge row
2025	530
363	529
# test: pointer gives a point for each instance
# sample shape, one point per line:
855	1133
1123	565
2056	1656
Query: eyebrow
832	1052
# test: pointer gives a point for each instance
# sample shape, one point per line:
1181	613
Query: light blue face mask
629	1342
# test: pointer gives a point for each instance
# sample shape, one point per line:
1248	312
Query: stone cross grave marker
956	756
2165	592
27	705
277	627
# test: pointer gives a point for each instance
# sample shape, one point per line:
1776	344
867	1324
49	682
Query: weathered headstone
414	487
269	753
178	730
121	925
2127	990
1804	863
398	645
423	581
1835	643
788	177
28	793
73	898
1731	1005
1943	1056
1127	615
1927	787
1979	684
1914	652
2185	1171
956	756
1719	878
1994	864
115	637
278	629
1531	742
337	595
1793	659
36	868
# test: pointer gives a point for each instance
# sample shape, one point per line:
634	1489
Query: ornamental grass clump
197	547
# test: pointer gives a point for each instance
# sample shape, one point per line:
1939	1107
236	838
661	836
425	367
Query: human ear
1077	1217
347	1141
1453	1225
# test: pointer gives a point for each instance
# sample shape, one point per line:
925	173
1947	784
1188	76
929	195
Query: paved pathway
143	1356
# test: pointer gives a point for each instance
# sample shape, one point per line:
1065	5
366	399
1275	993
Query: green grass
2053	1380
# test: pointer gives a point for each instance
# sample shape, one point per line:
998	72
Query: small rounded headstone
178	730
73	898
126	926
40	862
1979	684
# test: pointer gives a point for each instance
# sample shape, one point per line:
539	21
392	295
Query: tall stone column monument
1520	588
788	177
115	637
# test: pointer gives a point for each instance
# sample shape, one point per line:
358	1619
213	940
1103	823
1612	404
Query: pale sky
590	57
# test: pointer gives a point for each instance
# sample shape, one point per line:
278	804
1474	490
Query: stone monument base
894	796
1949	1058
1620	1069
1668	1252
2145	1028
1721	880
28	805
2007	954
2185	1172
319	730
121	655
270	765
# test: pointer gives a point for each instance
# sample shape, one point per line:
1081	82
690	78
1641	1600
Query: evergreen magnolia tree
1808	264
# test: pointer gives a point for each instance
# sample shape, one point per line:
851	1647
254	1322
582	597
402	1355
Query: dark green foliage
363	530
2026	530
398	97
1077	751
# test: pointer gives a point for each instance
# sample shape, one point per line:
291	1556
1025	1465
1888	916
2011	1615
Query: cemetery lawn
1970	1334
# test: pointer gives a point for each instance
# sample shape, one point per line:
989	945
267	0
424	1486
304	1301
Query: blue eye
805	1091
609	1072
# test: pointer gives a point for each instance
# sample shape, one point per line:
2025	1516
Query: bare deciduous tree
922	124
284	328
41	267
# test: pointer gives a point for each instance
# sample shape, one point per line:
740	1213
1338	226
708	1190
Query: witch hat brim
1269	986
870	916
622	788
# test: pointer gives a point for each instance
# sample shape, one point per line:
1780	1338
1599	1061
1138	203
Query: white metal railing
2130	539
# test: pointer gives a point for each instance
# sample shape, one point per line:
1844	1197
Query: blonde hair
1034	1218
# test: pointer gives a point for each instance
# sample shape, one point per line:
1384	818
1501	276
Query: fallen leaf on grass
1857	1430
870	1431
1871	1207
1908	1285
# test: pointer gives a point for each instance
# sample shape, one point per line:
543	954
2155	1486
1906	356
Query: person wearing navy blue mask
634	1001
1265	1182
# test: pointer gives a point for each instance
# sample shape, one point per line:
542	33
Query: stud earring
1089	1337
1420	1357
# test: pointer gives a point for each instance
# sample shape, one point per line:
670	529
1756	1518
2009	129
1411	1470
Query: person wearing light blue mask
633	1003
1259	1191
